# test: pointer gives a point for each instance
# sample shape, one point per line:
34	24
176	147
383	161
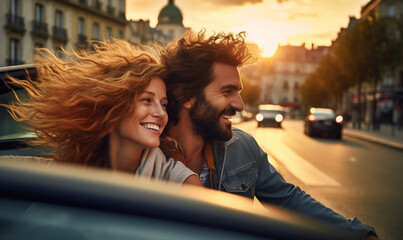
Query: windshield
9	128
324	114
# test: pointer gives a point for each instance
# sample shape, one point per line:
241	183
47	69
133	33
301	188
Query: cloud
234	2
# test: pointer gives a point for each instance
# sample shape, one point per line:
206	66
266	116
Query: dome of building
170	14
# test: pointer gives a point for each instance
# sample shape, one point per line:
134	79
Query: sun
268	37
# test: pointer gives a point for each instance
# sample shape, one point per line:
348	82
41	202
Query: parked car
270	115
323	122
13	135
41	199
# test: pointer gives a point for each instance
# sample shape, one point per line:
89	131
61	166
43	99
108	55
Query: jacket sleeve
273	189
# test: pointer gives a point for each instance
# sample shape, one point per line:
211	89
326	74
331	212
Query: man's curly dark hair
189	64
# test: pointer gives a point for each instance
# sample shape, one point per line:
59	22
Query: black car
270	115
323	122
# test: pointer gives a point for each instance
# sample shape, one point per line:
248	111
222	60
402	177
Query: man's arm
272	188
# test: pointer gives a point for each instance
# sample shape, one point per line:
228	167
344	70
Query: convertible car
41	199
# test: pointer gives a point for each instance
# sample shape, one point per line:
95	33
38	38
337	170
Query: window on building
120	34
38	45
285	85
391	10
95	31
96	4
58	51
39	13
81	26
296	86
108	32
15	7
14	51
400	83
59	21
121	5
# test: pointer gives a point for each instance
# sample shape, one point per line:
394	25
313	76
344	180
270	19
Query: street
355	178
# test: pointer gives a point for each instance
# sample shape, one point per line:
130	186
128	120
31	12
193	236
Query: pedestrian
104	108
203	87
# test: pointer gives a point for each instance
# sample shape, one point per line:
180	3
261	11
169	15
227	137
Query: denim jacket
243	169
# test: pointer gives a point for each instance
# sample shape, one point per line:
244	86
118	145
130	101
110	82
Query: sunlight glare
267	37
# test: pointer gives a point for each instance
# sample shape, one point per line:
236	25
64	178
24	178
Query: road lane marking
301	168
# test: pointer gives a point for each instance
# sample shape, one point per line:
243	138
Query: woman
102	108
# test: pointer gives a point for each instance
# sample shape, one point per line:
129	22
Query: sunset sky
266	22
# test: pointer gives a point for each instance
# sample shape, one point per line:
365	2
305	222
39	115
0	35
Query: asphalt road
353	177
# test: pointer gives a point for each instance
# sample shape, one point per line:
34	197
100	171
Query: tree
312	92
250	93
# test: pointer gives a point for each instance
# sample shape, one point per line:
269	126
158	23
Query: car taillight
339	119
312	118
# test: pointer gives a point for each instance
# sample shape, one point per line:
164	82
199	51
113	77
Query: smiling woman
103	108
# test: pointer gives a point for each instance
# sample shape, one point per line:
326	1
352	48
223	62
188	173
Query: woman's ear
189	103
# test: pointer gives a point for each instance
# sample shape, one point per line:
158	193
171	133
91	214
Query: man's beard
206	120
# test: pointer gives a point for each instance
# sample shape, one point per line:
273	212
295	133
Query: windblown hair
189	64
75	103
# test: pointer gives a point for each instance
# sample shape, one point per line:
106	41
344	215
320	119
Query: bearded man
203	88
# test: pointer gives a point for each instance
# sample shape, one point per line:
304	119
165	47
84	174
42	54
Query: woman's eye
147	100
164	105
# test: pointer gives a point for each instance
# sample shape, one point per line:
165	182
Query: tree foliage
250	93
362	54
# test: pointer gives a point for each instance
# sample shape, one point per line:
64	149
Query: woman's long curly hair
75	103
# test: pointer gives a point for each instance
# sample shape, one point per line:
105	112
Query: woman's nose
159	110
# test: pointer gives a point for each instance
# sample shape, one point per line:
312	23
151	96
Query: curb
373	139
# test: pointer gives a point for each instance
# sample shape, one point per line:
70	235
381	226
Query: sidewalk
386	135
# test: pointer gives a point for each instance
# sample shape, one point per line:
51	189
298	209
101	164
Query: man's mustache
228	111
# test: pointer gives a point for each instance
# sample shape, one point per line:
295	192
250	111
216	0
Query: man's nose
237	103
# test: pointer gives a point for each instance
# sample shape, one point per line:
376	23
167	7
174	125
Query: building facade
140	31
53	24
287	70
169	27
170	21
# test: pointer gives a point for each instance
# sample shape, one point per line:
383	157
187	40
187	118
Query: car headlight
339	119
259	117
279	118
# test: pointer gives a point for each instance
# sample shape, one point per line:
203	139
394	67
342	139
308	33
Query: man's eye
227	92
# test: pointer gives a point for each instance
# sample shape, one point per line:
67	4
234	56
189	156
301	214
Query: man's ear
189	103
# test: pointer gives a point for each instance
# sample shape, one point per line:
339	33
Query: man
204	87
